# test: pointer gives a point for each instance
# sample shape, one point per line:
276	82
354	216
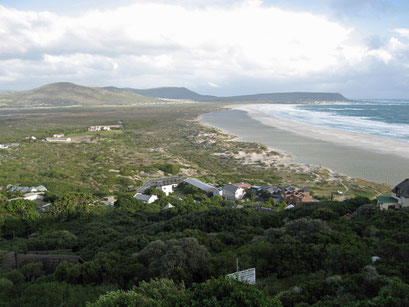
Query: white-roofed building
168	206
200	184
167	189
146	198
232	192
33	196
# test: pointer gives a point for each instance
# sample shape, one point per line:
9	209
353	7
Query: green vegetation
140	254
311	255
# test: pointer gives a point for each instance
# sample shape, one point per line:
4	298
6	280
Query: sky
359	48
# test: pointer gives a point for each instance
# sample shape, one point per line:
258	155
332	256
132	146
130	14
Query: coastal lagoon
353	154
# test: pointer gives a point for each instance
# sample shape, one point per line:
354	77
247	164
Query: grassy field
153	136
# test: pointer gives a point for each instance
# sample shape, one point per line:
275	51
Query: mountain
184	93
67	94
169	93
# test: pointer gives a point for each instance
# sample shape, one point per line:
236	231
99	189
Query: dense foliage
313	254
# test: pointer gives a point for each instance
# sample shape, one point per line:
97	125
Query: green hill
68	94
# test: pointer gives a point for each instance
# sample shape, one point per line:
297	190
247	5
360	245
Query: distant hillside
66	94
287	97
184	93
171	93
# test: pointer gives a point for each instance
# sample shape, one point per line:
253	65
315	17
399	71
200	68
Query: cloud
155	43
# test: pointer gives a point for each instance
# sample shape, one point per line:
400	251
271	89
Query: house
255	190
146	198
158	183
167	189
104	128
398	199
401	192
232	192
3	146
296	196
388	202
58	135
274	192
58	139
33	196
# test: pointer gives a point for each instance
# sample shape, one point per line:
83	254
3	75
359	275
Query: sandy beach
352	154
344	138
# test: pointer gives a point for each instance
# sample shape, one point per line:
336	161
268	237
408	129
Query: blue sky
358	48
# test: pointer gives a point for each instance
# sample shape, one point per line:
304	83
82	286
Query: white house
398	199
233	192
58	135
146	198
33	196
104	128
167	189
401	192
58	139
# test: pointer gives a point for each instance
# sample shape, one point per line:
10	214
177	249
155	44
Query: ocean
380	118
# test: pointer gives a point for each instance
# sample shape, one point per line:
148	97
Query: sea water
380	118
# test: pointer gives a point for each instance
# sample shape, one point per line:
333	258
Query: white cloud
168	43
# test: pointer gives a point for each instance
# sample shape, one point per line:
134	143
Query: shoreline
281	160
340	159
341	137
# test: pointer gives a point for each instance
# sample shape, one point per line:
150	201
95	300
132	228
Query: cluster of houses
291	195
59	137
104	128
31	193
398	199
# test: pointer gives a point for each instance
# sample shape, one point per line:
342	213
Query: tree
396	293
72	205
161	257
229	292
128	203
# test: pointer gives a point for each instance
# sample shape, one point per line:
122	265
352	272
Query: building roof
199	184
41	188
143	197
168	206
387	199
230	188
243	185
160	182
402	188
